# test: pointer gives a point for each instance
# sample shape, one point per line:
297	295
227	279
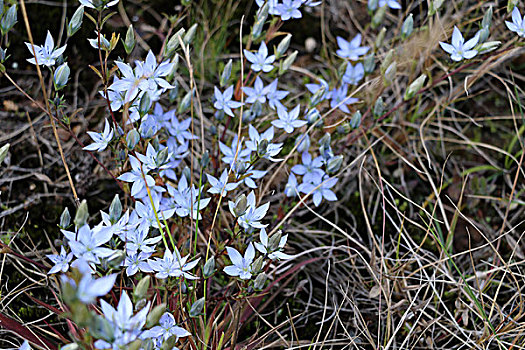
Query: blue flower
154	160
275	96
313	88
148	213
518	24
89	288
253	215
266	250
288	120
138	177
230	153
310	169
242	266
248	176
186	199
173	265
460	49
221	185
320	189
289	9
166	329
257	93
260	60
136	240
136	262
101	139
47	54
61	261
340	99
393	4
223	101
354	74
87	244
290	190
177	129
351	50
272	149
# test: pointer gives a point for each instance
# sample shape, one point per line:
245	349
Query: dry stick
55	132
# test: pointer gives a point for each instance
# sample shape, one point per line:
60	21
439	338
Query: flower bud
154	316
317	97
162	157
169	344
260	281
355	122
173	43
132	138
145	104
273	242
173	93
344	128
489	46
380	38
3	56
435	5
487	18
82	214
312	116
197	307
257	265
287	63
226	73
304	143
334	164
3	152
76	22
115	260
260	18
61	76
205	159
369	63
190	34
415	87
9	20
283	46
483	34
186	102
130	41
378	17
240	167
262	148
389	57
65	219
115	209
408	27
141	289
239	207
379	107
390	74
209	267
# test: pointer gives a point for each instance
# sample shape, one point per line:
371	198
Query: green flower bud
115	260
197	307
76	22
287	63
355	122
257	265
435	5
173	43
344	128
132	138
190	34
283	46
390	74
130	41
169	343
4	150
369	63
82	214
317	97
145	104
334	164
155	315
226	73
262	148
380	38
163	156
65	219
61	77
408	27
209	267
9	20
260	281
205	160
389	57
379	107
186	102
489	46
240	205
378	17
487	18
260	18
141	289
415	87
70	346
115	209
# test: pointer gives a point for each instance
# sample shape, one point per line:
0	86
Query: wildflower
153	74
288	120
166	329
264	247
275	96
177	129
290	189
257	93
354	74
87	244
231	154
137	261
223	101
173	265
61	261
221	185
351	50
154	160
90	288
136	240
320	189
393	4
128	83
313	88
149	212
254	144
98	4
518	24
310	169
460	49
340	99
248	176
241	265
260	60
47	54
186	199
137	176
101	139
289	9
253	214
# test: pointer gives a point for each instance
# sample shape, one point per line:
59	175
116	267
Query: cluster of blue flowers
154	141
